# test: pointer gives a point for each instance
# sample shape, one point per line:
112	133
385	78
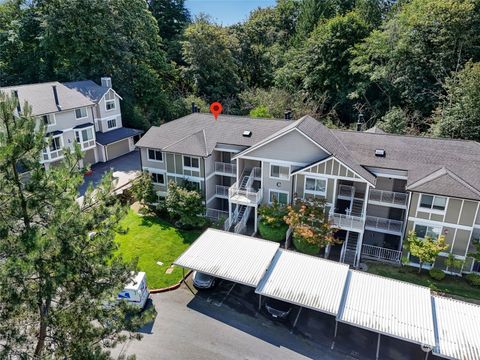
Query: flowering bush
310	224
272	225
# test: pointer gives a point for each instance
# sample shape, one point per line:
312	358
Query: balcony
221	191
383	225
225	169
247	196
388	198
52	155
381	254
347	222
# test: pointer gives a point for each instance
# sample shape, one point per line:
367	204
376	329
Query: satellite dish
426	348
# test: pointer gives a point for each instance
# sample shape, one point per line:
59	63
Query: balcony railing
346	191
221	191
388	197
347	221
52	155
89	144
384	225
381	254
216	214
225	168
257	173
248	196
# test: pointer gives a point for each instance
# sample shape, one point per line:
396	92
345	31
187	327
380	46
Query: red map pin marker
216	109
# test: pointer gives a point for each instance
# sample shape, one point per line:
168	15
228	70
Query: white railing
257	173
230	220
381	254
225	168
248	196
85	145
346	191
241	226
388	197
389	225
347	221
52	155
216	214
221	190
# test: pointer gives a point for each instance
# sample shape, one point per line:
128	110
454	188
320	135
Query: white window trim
431	210
189	167
110	119
114	102
159	173
426	223
154	160
279	178
84	117
312	192
83	142
47	151
278	191
54	119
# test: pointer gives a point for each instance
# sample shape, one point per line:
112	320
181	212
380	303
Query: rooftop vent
380	152
247	133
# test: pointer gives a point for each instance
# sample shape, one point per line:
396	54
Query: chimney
106	82
360	122
15	95
55	95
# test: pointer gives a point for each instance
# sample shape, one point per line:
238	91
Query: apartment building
377	186
82	112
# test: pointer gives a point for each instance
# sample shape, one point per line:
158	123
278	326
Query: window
56	144
423	231
282	197
48	119
155	155
433	202
85	138
191	162
316	186
54	150
112	123
110	101
279	172
158	178
81	113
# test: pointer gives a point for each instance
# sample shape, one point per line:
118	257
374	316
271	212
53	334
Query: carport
388	307
238	258
306	281
457	325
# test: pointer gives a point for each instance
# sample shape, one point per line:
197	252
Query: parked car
278	309
136	292
203	281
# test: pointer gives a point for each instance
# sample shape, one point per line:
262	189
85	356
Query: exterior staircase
349	253
357	207
245	179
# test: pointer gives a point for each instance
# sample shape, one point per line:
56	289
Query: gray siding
274	184
152	164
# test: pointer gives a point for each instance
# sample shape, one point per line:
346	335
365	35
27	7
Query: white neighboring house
81	112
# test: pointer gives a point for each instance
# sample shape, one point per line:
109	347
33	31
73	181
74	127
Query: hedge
272	233
304	247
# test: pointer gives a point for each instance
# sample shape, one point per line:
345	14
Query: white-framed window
191	163
54	150
158	178
423	231
279	172
433	202
111	123
81	113
110	101
155	155
280	196
315	186
48	119
85	137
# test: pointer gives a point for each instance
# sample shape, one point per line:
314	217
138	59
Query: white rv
136	292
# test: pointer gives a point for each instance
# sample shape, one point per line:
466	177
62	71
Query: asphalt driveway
124	168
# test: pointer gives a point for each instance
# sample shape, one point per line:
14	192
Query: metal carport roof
457	325
305	280
239	258
388	307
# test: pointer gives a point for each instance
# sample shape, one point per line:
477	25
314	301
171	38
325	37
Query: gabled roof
41	97
116	135
90	89
183	135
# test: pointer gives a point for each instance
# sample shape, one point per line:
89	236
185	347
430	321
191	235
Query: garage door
89	157
117	149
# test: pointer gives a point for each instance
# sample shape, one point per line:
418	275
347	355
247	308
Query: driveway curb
172	287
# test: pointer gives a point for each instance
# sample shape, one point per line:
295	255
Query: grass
451	285
151	239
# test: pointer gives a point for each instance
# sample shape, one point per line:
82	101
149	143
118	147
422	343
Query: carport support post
378	346
259	302
336	328
298	316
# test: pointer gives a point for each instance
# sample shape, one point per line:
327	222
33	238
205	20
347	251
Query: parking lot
225	323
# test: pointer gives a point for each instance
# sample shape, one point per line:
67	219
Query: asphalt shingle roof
42	101
116	135
88	88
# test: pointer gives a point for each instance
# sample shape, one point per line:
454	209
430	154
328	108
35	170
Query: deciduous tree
426	249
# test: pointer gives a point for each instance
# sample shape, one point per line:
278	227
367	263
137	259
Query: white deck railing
388	197
381	254
257	173
248	196
221	190
382	224
216	214
347	221
225	168
52	155
241	226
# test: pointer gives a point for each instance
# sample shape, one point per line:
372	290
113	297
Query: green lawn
152	239
451	285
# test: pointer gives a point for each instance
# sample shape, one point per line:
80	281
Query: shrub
302	245
272	233
473	279
437	274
